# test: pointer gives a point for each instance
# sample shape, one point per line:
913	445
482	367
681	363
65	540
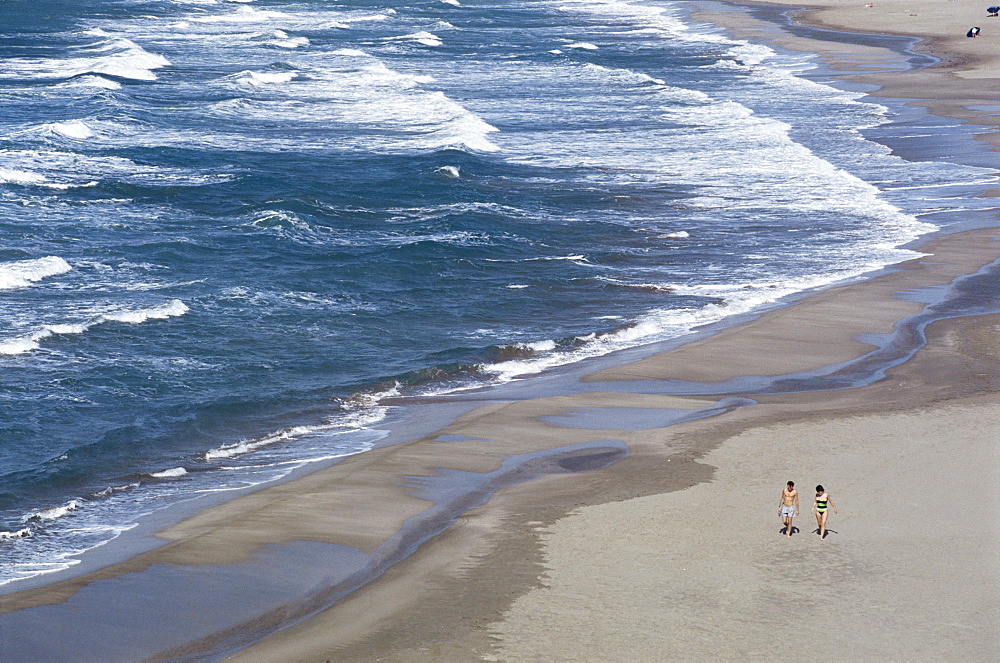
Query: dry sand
674	551
908	571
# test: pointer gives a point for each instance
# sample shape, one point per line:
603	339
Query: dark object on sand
993	11
973	32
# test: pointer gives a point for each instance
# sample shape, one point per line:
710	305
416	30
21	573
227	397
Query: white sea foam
34	340
537	346
15	176
92	81
172	473
731	299
118	57
23	273
242	15
76	129
265	77
422	37
55	512
653	19
290	42
451	172
169	310
388	107
630	76
111	490
359	412
583	45
574	258
351	52
283	220
246	446
62	170
751	54
454	3
17	534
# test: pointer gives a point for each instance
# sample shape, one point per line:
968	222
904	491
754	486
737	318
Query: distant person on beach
973	32
820	506
788	507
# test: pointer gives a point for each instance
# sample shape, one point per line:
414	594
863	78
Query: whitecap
111	490
55	512
14	176
583	45
18	534
23	273
18	346
293	42
33	341
246	446
422	37
257	78
451	172
751	54
354	52
118	57
169	310
127	59
242	15
536	346
172	473
77	129
574	258
92	81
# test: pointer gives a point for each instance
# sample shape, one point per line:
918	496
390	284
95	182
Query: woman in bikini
820	506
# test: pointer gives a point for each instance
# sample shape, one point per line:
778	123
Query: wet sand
617	520
675	552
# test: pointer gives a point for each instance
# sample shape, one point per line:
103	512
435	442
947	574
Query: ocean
232	230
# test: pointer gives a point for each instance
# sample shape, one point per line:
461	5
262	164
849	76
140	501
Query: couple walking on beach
788	508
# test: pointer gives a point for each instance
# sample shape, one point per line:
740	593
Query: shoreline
521	567
392	615
947	88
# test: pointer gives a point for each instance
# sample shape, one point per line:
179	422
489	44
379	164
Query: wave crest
33	341
23	273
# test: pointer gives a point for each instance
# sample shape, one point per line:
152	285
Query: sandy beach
902	576
685	558
703	572
623	521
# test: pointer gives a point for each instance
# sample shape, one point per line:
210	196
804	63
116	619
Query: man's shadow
795	530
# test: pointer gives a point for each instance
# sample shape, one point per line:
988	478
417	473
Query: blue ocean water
232	228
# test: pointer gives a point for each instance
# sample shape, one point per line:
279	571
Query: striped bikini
821	505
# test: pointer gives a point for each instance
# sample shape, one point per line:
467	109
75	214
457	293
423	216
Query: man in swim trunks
788	507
